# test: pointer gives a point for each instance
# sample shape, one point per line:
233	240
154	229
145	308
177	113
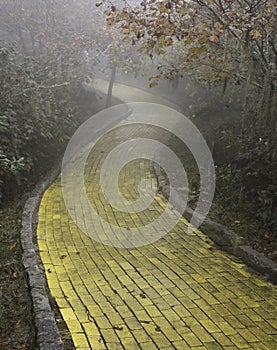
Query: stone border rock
48	337
224	237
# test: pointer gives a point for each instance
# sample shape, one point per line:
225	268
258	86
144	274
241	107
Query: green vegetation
42	68
36	116
40	77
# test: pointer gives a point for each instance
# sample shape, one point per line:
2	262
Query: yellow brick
222	339
91	329
247	335
209	325
79	340
141	336
110	336
132	323
103	322
160	340
212	346
192	340
198	314
129	343
68	314
182	345
226	328
96	342
148	346
74	326
114	346
61	302
238	341
53	283
202	334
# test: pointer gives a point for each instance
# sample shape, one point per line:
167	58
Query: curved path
127	93
177	293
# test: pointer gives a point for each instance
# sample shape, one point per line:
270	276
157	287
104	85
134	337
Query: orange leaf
193	51
256	34
12	246
153	84
214	38
167	42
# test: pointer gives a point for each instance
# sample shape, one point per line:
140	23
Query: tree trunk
110	89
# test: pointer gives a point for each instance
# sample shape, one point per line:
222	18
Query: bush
36	113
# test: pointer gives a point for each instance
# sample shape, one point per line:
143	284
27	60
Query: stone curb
48	337
222	236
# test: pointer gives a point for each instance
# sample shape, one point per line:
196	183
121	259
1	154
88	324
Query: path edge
47	332
224	237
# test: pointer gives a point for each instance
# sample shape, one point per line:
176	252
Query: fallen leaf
214	38
153	84
12	246
256	34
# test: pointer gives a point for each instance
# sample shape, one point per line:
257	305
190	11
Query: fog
206	74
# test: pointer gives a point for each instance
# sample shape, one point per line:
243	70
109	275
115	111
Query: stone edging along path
224	237
48	337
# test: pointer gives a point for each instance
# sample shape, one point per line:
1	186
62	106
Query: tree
122	56
115	51
226	44
41	72
221	40
232	43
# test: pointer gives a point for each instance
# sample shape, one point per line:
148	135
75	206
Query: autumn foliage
229	45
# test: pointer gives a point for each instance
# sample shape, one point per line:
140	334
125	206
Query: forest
218	56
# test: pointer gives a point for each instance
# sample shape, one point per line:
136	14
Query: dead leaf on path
153	84
255	33
214	38
12	246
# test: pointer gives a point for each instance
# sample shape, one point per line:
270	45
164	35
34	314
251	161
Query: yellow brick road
177	293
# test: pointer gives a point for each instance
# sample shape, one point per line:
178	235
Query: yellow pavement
177	293
131	94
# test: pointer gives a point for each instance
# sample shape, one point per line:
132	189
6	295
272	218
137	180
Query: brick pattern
180	292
